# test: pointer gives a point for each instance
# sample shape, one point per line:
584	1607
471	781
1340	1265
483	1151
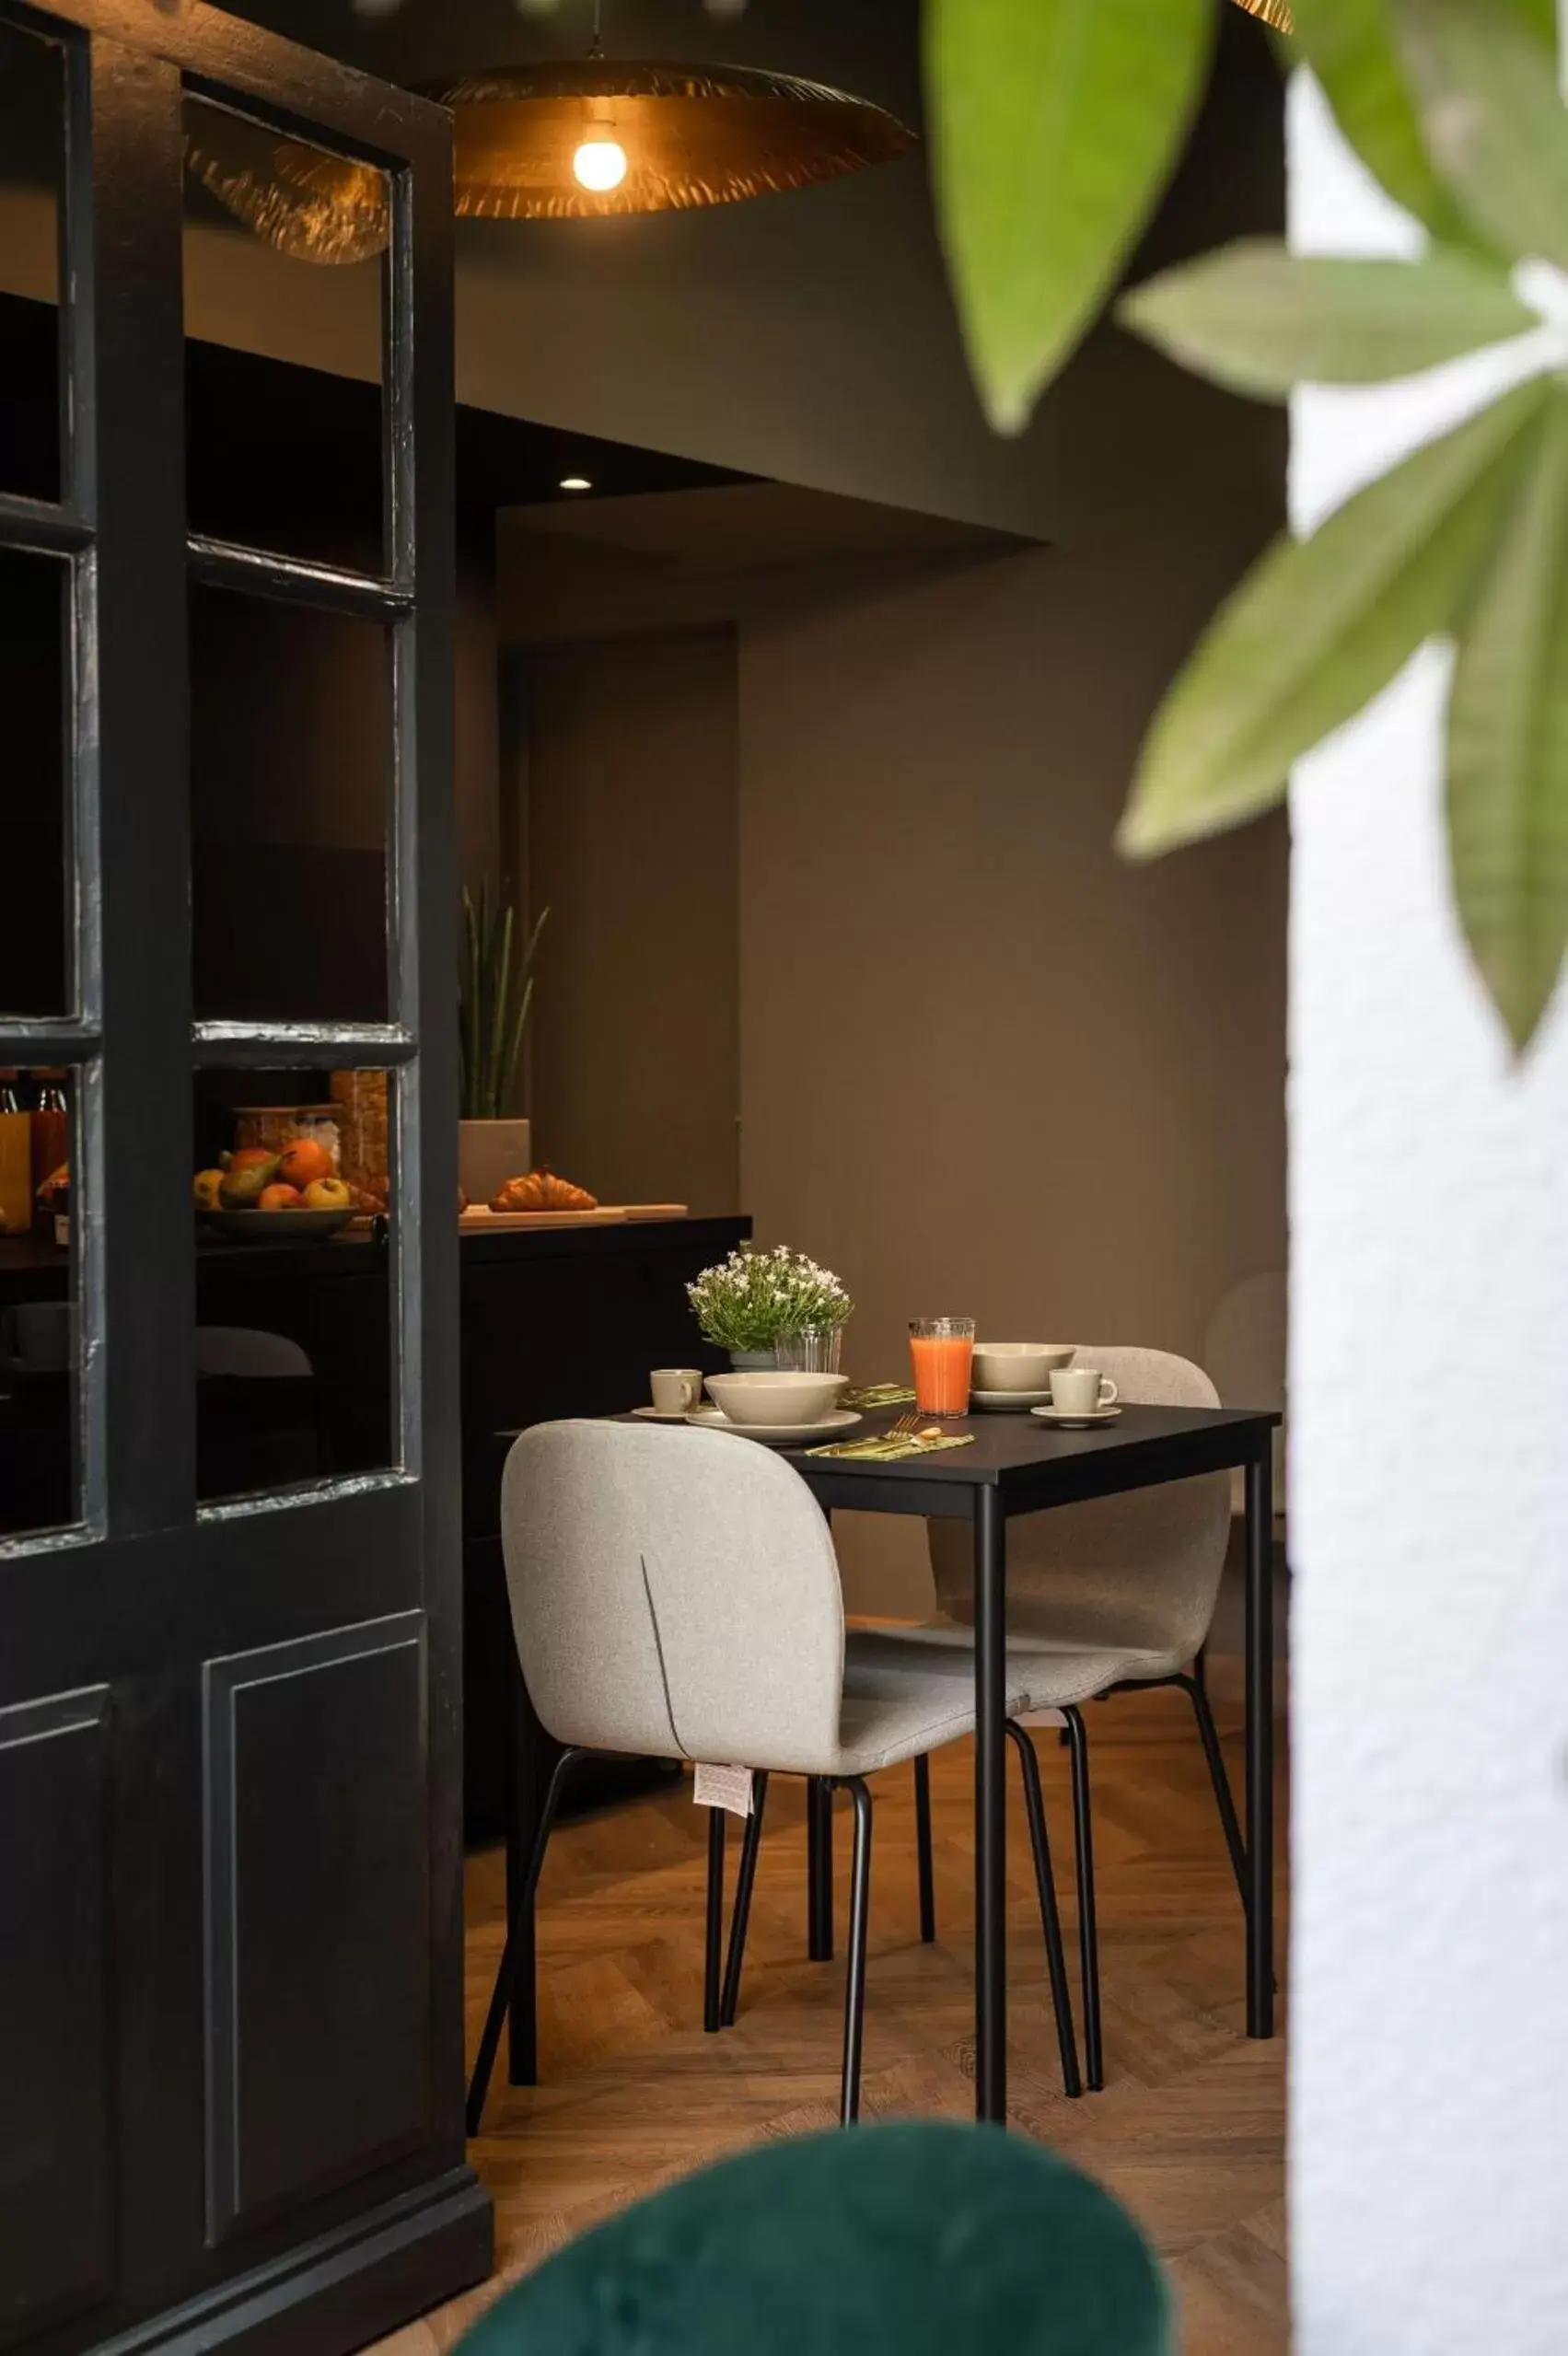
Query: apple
328	1194
280	1198
205	1188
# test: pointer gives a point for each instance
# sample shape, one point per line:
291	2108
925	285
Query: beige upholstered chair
1115	1593
675	1593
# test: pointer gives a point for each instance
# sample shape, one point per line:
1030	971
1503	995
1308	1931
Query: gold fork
915	1427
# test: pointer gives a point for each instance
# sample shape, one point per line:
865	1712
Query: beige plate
838	1419
1076	1423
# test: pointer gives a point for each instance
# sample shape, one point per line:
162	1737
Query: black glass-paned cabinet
230	1851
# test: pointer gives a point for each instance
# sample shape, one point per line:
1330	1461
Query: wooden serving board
481	1220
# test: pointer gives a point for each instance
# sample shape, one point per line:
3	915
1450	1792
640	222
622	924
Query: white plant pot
489	1153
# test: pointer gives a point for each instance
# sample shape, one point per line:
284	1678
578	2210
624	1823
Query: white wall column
1429	1504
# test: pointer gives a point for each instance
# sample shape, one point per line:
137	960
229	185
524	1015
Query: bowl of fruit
258	1196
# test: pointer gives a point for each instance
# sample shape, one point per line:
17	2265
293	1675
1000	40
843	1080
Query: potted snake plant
494	994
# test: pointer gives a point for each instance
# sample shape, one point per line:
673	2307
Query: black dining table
1018	1464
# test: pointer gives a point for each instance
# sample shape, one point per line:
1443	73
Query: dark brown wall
632	839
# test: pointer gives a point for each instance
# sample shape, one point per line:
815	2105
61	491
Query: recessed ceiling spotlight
575	482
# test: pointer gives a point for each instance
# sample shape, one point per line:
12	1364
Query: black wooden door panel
231	1863
318	1991
55	2222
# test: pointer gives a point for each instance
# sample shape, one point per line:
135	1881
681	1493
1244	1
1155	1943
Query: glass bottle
16	1160
51	1127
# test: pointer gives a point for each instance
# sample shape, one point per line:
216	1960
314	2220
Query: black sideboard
566	1322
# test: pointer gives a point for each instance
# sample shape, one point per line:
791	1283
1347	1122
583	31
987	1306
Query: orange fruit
304	1161
279	1197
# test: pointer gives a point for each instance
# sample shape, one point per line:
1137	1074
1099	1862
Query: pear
242	1186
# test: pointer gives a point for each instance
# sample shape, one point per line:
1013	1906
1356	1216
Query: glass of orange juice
942	1350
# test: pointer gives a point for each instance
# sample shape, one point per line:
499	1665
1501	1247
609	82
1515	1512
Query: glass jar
16	1160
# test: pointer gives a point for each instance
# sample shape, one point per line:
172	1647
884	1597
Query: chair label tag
722	1787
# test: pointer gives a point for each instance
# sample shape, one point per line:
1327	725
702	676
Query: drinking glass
815	1350
941	1350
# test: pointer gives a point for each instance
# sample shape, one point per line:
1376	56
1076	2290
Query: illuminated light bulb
573	482
599	165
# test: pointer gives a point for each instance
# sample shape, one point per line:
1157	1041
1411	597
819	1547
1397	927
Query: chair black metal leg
1201	1668
713	1953
741	1918
854	1982
922	1849
1208	1735
1088	1933
1049	1919
819	1870
518	1940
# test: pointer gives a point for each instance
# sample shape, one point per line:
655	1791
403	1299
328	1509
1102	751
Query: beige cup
676	1390
1081	1390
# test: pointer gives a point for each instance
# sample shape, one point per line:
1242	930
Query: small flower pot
489	1153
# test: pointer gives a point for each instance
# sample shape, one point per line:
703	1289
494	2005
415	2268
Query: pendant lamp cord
596	47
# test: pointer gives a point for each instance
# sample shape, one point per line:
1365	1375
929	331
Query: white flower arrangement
749	1300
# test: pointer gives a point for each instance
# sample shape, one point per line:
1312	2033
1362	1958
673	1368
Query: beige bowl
775	1398
1018	1365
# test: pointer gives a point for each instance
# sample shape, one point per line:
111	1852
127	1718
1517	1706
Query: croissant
543	1190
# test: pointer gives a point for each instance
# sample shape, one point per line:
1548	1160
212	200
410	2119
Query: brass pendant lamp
568	139
565	138
575	138
1273	12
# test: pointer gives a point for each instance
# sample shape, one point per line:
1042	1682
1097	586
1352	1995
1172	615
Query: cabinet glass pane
286	270
35	975
40	1352
295	1352
291	750
32	182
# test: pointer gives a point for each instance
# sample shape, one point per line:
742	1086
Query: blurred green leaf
1320	626
1508	745
1350	47
1494	117
1261	319
1055	125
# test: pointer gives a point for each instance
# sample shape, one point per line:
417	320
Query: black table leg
819	1870
1260	1745
990	1806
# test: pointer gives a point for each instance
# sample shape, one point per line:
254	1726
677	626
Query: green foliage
1057	122
1320	626
1508	743
495	991
1351	46
1495	125
1260	321
1054	126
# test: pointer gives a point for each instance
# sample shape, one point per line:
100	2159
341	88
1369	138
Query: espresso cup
676	1390
1081	1390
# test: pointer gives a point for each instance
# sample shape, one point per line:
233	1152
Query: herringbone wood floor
1188	2132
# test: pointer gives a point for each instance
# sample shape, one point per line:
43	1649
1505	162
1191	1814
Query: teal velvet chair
911	2239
